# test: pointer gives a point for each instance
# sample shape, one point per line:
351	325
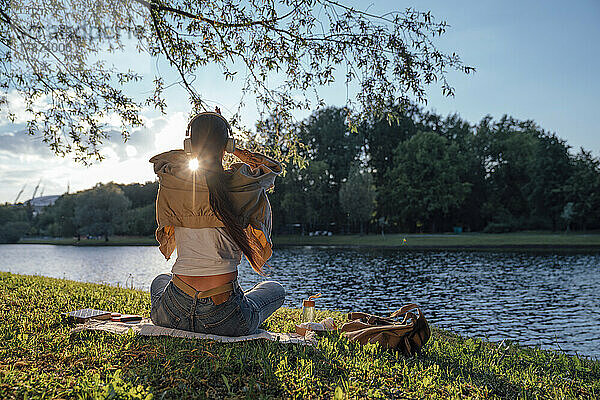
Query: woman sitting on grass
213	216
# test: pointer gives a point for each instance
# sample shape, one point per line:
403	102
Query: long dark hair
209	133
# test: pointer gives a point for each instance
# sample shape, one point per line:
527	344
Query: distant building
39	203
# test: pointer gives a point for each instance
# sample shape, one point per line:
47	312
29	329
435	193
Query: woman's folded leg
157	288
264	298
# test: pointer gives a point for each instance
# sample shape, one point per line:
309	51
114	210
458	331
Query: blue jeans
240	315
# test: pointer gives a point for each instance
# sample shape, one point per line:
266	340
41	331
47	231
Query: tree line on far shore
420	173
427	173
102	211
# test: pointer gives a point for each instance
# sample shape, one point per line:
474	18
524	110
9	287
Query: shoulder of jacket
243	176
171	155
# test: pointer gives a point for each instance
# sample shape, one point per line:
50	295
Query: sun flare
193	164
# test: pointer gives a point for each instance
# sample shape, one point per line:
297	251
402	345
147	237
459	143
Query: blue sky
534	59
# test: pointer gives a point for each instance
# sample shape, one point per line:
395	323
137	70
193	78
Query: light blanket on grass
146	328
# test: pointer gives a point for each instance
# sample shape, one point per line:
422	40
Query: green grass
113	241
531	241
475	241
39	358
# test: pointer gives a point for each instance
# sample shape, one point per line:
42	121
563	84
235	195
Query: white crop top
204	252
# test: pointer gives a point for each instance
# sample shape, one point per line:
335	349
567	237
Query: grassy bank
113	241
530	241
467	241
40	359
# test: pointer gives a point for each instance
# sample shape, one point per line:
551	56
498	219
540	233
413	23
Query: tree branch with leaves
282	52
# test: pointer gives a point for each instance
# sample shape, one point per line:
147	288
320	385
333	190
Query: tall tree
357	196
382	136
551	168
330	145
507	148
141	221
101	210
14	222
304	196
283	53
288	201
328	138
310	192
425	182
582	190
57	219
140	194
462	134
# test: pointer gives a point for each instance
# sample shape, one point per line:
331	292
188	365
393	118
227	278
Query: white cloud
170	134
130	150
16	105
24	160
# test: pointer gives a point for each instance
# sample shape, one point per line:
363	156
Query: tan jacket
177	204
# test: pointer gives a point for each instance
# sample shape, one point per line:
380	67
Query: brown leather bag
408	336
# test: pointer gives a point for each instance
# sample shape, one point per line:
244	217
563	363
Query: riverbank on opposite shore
41	359
522	241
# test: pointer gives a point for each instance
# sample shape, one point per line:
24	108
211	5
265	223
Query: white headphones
187	142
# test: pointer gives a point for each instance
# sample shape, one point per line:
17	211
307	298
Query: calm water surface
535	299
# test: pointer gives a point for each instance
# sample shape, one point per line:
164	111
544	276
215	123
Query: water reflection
547	300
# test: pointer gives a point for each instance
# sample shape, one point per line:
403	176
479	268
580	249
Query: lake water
535	299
